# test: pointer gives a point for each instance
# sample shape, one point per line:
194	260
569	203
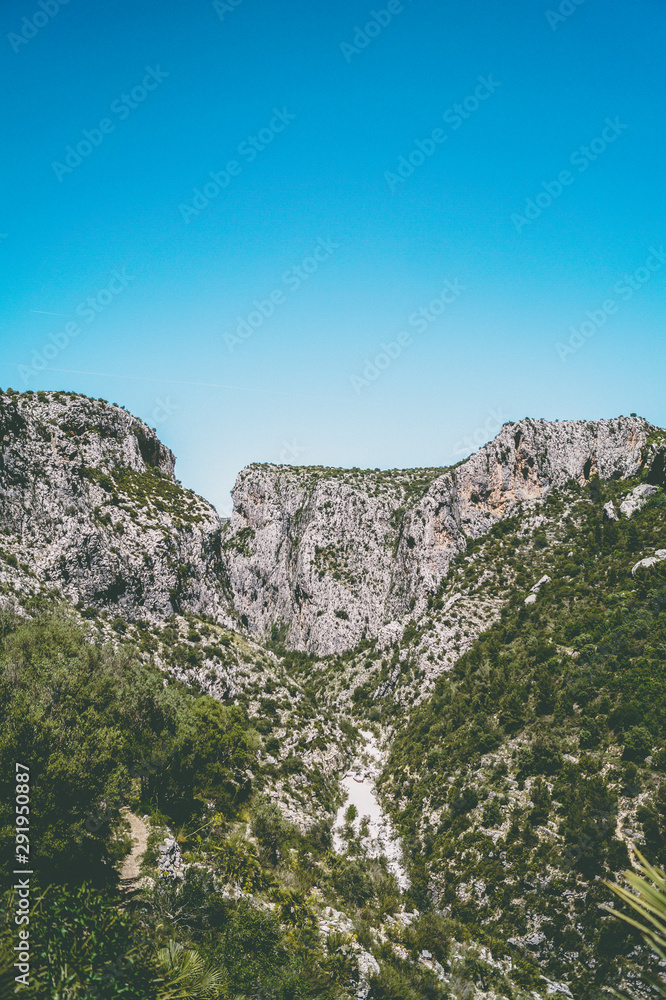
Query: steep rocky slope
539	763
317	558
493	633
89	506
332	556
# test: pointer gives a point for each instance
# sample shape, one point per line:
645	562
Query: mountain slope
541	759
478	653
333	556
89	506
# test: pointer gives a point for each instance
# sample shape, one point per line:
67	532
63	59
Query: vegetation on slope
519	787
99	730
543	752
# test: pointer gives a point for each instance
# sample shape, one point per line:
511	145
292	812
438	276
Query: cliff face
89	506
329	556
321	557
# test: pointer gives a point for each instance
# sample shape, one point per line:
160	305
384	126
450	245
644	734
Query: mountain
334	556
408	721
90	506
325	556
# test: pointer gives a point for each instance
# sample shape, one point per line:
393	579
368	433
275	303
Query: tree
648	900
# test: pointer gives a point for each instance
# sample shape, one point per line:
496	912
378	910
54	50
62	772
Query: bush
270	828
637	743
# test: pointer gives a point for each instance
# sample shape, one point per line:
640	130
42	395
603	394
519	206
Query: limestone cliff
330	556
89	506
317	557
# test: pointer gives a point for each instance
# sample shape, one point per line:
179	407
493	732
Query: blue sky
376	278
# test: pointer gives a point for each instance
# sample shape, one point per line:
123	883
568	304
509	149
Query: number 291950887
22	813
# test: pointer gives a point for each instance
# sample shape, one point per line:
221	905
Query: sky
342	234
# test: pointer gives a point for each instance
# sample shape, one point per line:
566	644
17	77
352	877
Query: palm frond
648	899
188	977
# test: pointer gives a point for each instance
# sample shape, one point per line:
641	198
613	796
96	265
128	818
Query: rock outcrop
326	556
89	506
637	498
318	558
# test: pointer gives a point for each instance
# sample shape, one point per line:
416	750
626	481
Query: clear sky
415	203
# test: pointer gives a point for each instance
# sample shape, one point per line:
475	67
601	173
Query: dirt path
129	873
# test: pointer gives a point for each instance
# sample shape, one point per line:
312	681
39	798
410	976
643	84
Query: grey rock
305	543
89	500
637	498
553	987
646	563
610	512
170	861
90	506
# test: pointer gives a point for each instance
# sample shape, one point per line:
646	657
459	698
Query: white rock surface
327	556
637	498
71	472
658	557
322	541
610	512
170	861
360	785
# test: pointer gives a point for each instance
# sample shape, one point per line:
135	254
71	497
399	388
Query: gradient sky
166	344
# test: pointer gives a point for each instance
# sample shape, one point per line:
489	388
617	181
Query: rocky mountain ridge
89	507
474	656
335	556
319	558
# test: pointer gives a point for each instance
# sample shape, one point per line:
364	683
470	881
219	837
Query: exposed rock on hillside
317	557
332	556
89	506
